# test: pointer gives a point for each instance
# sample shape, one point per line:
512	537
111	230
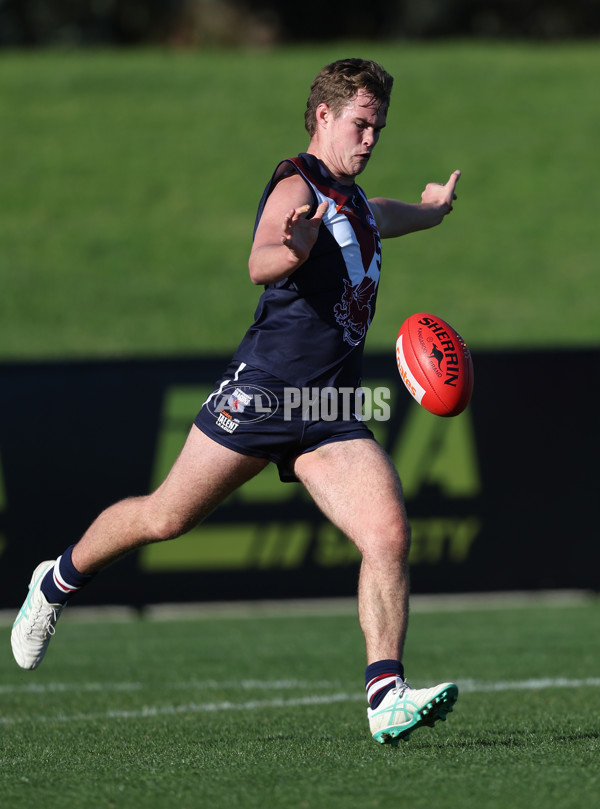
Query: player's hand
441	196
299	233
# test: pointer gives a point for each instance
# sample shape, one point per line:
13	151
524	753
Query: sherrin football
435	364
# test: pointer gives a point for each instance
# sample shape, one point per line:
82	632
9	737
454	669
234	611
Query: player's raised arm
285	236
396	218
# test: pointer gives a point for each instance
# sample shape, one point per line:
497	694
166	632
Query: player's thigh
203	475
357	487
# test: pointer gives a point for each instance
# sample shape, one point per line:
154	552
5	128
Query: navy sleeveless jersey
310	328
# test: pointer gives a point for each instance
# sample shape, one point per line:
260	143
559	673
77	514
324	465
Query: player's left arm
396	218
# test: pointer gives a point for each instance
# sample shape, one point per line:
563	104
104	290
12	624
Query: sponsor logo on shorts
253	401
239	400
226	422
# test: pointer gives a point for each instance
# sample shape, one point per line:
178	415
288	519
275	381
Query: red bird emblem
353	312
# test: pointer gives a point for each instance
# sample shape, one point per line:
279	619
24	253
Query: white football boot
34	626
403	709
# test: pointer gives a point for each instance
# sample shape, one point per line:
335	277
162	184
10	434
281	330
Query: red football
435	364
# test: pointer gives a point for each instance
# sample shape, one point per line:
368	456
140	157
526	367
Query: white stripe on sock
60	583
377	685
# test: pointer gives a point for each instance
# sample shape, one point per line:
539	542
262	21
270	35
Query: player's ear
323	114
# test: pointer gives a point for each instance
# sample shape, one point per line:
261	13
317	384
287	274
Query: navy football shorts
254	413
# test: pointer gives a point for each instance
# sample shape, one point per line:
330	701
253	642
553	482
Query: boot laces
401	686
44	621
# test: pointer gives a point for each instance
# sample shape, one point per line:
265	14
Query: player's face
349	139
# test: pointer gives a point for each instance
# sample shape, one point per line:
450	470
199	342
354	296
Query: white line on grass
61	688
476	687
198	685
150	711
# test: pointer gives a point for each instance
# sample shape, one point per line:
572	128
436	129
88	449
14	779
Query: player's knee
167	525
391	542
397	542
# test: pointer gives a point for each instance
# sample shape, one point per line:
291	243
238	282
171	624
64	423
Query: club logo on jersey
354	311
345	209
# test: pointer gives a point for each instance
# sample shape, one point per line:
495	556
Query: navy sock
380	678
63	580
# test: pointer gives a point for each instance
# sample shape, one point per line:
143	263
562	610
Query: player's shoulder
291	191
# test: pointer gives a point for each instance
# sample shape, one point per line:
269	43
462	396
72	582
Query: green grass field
130	183
268	710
